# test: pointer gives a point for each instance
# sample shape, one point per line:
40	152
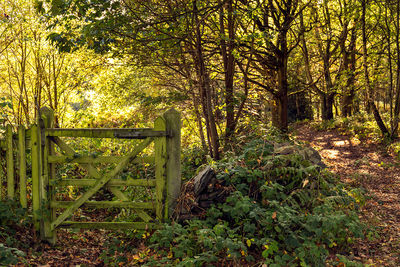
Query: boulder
307	152
203	179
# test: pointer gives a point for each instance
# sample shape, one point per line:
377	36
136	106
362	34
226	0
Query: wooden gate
48	149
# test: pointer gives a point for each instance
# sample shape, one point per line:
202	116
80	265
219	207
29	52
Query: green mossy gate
49	214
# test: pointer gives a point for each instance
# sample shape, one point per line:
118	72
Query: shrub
284	212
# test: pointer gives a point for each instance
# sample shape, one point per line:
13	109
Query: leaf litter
369	166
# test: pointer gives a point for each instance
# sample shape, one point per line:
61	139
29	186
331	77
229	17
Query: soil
369	166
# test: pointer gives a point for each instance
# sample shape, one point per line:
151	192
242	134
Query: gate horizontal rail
133	133
112	182
105	204
96	159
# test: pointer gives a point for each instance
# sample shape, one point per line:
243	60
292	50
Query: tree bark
349	93
227	48
282	96
327	106
397	97
369	90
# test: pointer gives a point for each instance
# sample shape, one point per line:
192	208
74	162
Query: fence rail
42	139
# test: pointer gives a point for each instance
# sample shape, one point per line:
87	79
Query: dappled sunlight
334	153
373	156
342	143
330	153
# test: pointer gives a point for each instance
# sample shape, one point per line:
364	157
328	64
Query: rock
286	150
308	153
313	156
199	193
203	179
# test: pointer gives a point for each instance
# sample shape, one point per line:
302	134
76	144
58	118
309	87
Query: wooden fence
48	149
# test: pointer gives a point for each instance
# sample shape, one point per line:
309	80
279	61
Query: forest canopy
224	63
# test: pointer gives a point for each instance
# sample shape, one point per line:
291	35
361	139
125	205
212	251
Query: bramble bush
284	212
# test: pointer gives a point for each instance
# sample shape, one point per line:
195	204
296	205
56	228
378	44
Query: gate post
160	158
10	162
22	166
48	173
173	166
36	174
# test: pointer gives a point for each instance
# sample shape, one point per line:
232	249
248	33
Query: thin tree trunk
204	80
199	122
389	56
370	100
397	97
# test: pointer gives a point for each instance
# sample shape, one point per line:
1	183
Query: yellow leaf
274	215
170	255
248	242
136	257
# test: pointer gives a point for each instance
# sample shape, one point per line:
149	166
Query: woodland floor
362	164
366	165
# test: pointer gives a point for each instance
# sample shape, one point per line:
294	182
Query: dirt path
365	165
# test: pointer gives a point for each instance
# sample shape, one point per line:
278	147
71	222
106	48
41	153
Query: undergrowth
284	211
363	127
12	219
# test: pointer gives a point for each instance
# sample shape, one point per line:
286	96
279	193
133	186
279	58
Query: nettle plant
284	212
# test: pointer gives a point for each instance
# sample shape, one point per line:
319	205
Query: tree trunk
349	95
282	95
370	101
280	112
228	58
327	106
389	58
397	97
328	97
199	122
205	89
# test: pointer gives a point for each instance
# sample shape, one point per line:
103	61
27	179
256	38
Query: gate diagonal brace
101	181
